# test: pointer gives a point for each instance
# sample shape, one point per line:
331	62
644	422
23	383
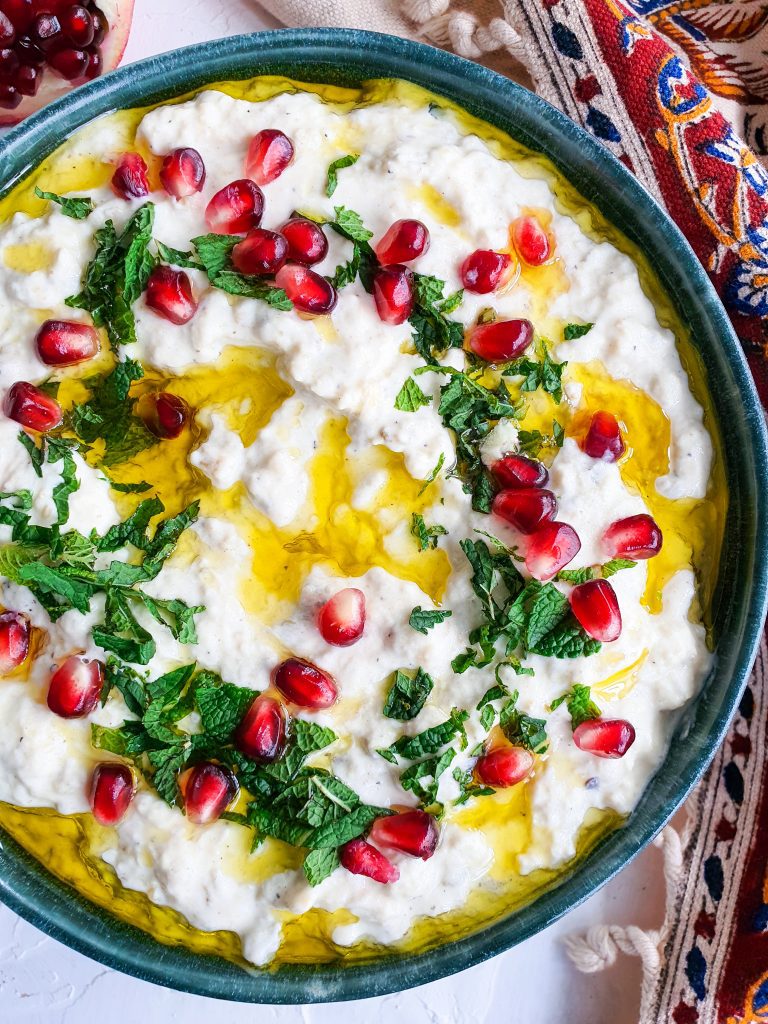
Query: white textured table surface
43	982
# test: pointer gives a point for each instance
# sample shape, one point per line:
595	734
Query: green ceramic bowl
348	57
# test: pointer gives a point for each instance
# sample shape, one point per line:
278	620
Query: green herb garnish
338	165
77	207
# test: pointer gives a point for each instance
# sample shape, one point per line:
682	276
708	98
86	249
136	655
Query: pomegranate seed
7	31
604	440
531	241
596	607
504	766
634	537
261	733
306	240
550	549
100	26
502	340
9	63
305	684
14	640
182	173
130	178
360	858
269	154
260	252
10	98
69	63
526	509
393	293
412	832
514	471
611	737
112	789
169	294
308	291
32	408
28	80
19	12
65	342
75	687
342	618
77	25
236	208
484	270
208	789
95	65
168	415
45	28
29	53
403	242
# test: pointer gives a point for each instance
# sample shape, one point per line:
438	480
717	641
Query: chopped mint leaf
468	788
350	224
319	864
433	331
215	254
580	705
412	779
177	258
522	730
138	488
576	576
616	565
338	165
75	207
36	455
221	707
407	695
433	475
426	536
533	443
109	416
424	619
571	331
545	373
431	740
410	397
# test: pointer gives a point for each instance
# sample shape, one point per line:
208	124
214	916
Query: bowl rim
25	885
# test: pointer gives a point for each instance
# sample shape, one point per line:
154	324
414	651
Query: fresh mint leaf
177	258
75	207
430	741
520	729
580	705
433	474
410	397
350	826
129	683
567	640
571	331
132	530
412	779
68	483
350	225
36	455
544	374
138	488
426	536
576	576
407	696
616	565
546	610
221	708
424	619
251	288
338	165
468	788
319	864
108	415
433	331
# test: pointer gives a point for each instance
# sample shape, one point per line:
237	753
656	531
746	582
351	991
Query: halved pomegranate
75	687
305	685
269	154
306	240
484	270
14	640
236	208
596	607
515	471
111	791
393	293
66	342
550	549
504	766
32	408
412	832
261	733
605	737
183	172
502	340
526	508
402	242
261	252
604	440
207	789
74	42
308	291
360	858
169	294
635	537
130	178
342	618
166	415
532	242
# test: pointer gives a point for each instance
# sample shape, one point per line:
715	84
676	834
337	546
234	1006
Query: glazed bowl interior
348	58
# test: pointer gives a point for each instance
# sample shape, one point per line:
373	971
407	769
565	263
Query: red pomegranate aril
604	440
484	270
95	65
10	98
111	792
9	65
169	294
75	687
305	685
236	208
182	172
27	80
306	240
168	415
596	608
29	53
100	26
393	293
360	858
208	789
14	640
77	25
550	549
261	252
412	832
308	291
65	342
130	178
502	340
605	737
32	408
403	242
504	766
515	471
7	31
531	241
526	508
261	733
635	537
19	12
269	154
45	28
342	618
69	63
